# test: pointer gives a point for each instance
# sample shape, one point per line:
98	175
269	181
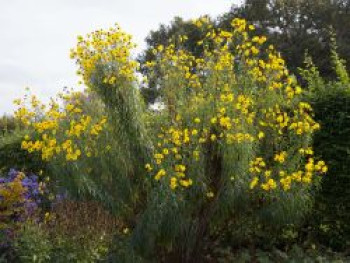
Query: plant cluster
71	232
225	108
70	121
231	143
20	198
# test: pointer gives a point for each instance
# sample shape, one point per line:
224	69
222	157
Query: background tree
295	26
292	26
163	36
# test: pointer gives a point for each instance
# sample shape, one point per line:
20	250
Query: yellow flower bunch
257	165
110	49
281	157
170	152
301	176
58	128
238	93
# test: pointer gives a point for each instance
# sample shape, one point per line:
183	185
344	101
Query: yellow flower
186	183
159	156
160	174
267	173
281	157
160	48
265	187
298	90
210	194
324	169
254	182
47	216
148	167
261	135
173	183
165	151
222	110
180	168
180	174
225	122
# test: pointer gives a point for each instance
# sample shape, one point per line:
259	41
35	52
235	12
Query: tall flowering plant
230	145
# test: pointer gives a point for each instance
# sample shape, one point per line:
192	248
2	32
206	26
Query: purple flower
32	194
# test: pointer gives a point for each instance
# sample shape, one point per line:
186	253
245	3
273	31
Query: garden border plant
232	143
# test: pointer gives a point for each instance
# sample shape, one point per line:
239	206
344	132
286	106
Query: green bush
80	232
293	255
331	104
7	124
12	155
32	243
72	232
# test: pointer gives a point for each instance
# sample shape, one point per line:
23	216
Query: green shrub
72	232
331	104
7	124
80	232
13	156
293	255
32	243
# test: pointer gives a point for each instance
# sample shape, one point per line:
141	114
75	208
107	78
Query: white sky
36	36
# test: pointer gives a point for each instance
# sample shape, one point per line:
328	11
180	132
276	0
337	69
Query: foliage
71	232
80	232
7	124
32	243
330	101
20	197
13	156
294	254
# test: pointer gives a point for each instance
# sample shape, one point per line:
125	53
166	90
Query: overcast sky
36	36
